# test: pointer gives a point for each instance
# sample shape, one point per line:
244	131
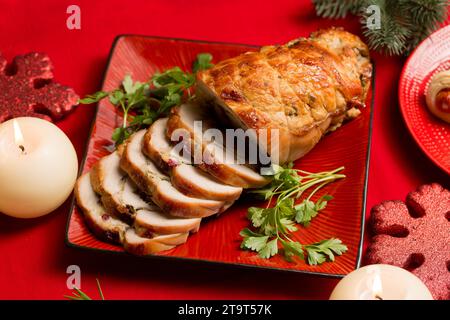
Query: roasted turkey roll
296	92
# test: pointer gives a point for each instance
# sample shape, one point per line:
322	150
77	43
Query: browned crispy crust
303	88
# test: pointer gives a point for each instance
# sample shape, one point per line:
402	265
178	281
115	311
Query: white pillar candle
381	282
38	167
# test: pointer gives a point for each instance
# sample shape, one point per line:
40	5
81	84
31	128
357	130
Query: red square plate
218	239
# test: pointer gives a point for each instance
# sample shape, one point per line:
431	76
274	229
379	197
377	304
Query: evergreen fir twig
337	9
403	23
394	34
426	16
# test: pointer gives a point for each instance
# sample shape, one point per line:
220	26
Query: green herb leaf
127	84
315	257
248	233
116	97
324	250
292	249
170	100
322	202
307	210
144	102
285	207
120	134
202	62
256	215
288	224
255	243
92	98
263	193
269	250
276	223
173	79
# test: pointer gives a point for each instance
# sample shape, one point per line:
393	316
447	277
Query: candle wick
378	297
22	148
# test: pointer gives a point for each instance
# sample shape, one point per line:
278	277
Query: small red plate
218	239
431	133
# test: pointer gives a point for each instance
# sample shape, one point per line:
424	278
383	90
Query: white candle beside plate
38	167
381	282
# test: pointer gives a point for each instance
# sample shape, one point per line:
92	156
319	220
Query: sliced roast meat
118	193
108	228
169	199
103	225
138	245
185	177
197	183
215	159
144	173
159	149
150	222
156	184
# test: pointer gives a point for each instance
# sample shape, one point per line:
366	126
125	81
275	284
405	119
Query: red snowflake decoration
26	89
416	236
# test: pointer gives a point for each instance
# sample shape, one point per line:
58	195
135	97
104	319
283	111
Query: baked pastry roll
438	95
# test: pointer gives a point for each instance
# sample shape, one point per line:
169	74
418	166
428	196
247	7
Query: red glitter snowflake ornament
416	236
26	89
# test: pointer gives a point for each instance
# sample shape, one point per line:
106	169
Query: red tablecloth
33	256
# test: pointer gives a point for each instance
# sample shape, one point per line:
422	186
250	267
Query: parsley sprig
273	225
144	102
202	62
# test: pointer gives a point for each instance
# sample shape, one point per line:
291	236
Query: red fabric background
33	255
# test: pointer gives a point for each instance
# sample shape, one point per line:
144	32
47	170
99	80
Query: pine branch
335	8
425	17
426	12
394	33
403	23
